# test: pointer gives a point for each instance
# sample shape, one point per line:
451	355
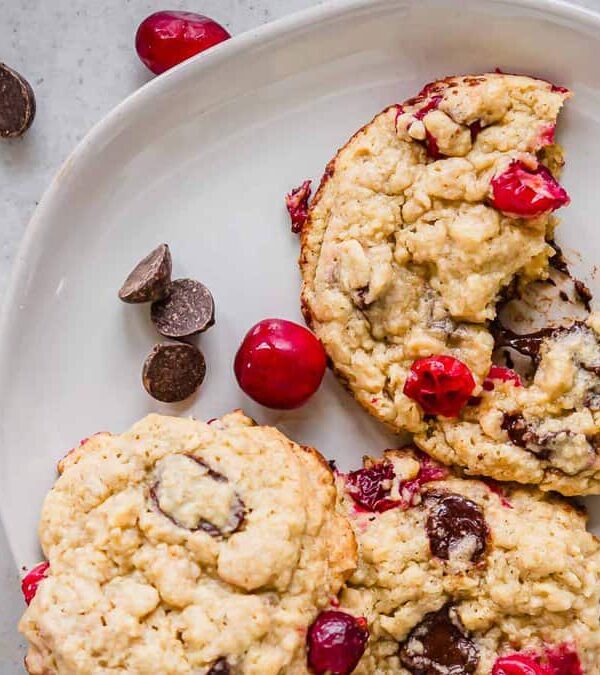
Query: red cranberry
336	642
503	375
371	487
280	364
32	580
297	205
432	104
167	38
518	664
441	385
563	660
526	193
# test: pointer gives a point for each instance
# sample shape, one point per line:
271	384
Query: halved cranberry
441	385
167	38
526	193
563	660
503	375
297	205
280	364
519	664
336	642
33	579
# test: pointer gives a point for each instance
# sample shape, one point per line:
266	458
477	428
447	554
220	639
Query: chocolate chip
523	433
439	646
237	515
455	527
220	667
17	103
584	293
188	309
173	372
150	278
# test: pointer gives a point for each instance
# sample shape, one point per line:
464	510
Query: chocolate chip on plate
439	644
17	103
455	527
188	309
150	278
173	372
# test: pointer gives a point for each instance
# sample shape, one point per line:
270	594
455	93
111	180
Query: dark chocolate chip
150	278
439	645
220	667
558	260
17	103
173	372
188	309
529	344
523	433
453	521
237	516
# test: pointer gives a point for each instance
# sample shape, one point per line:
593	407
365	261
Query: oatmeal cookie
420	221
547	432
460	575
183	547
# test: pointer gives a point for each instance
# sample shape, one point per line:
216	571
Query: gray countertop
79	57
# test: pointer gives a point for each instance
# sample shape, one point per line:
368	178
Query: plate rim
40	225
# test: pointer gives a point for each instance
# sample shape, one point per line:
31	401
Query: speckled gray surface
78	56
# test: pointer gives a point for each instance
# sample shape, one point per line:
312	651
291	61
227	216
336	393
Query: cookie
546	432
420	222
462	576
184	547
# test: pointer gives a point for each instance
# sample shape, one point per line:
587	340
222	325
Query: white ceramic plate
201	158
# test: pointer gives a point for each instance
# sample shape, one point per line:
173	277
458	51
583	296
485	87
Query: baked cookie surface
184	547
417	227
546	432
458	575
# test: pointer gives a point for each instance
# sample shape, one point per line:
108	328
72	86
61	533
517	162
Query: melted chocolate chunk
237	515
454	522
220	667
584	294
439	645
150	278
558	260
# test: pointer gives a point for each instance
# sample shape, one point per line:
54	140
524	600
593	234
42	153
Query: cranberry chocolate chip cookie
184	547
460	576
419	223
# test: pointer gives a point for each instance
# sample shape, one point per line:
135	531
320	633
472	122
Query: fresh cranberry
441	385
563	660
32	580
546	136
527	193
280	364
336	642
518	664
167	38
297	205
503	375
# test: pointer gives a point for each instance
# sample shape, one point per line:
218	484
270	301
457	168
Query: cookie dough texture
537	584
402	256
180	546
547	433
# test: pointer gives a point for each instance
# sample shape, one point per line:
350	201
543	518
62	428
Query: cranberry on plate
336	642
527	193
33	579
441	385
280	364
167	38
